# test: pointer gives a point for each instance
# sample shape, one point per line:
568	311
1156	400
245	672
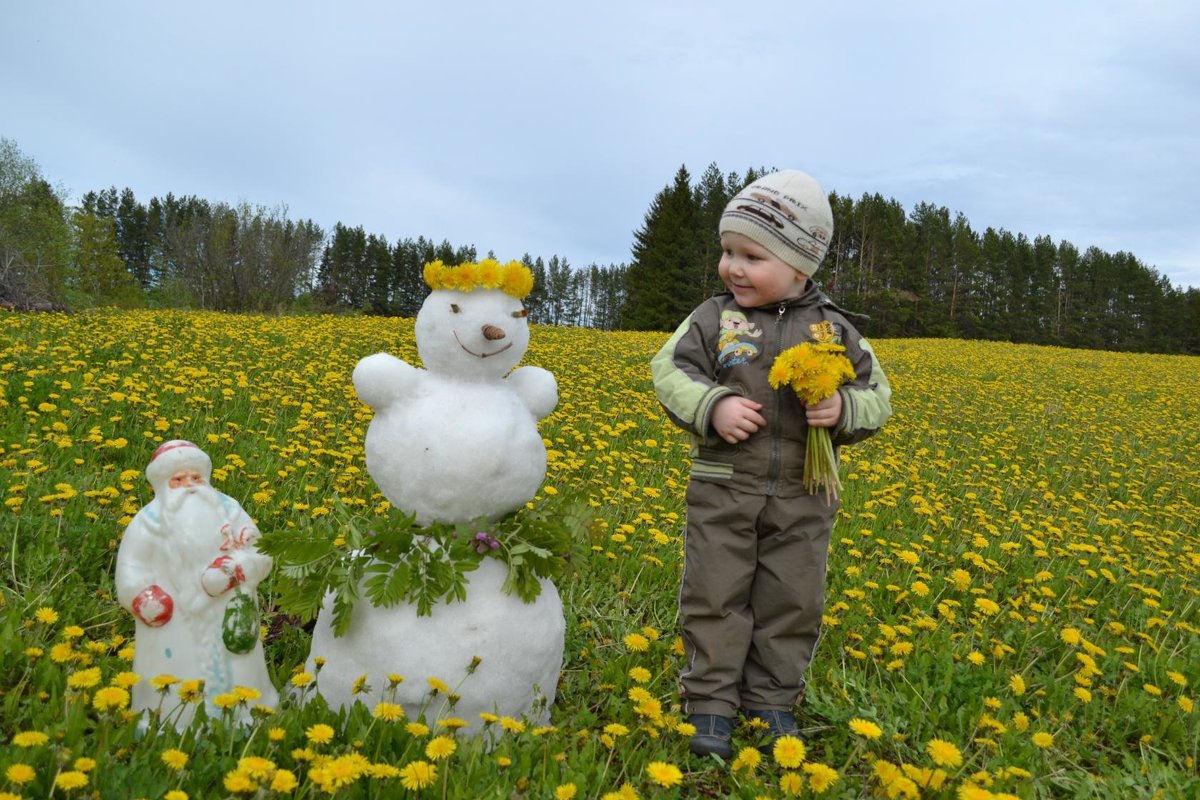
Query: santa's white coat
189	645
454	442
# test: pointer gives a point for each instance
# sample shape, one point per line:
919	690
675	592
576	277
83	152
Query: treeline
924	273
186	252
362	271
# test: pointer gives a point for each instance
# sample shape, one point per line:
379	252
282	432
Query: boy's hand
735	417
826	413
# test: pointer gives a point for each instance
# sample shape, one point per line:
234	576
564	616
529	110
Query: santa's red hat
173	456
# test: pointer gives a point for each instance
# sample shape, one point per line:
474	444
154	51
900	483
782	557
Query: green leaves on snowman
393	560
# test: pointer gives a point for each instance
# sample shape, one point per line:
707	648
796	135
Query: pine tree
660	287
98	272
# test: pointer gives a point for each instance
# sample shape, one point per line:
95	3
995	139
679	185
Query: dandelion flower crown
513	278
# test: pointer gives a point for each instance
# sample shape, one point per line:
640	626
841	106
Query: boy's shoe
713	736
779	723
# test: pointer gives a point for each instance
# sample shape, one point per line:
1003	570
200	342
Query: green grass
1028	512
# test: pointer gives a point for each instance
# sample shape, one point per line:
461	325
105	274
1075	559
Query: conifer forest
925	271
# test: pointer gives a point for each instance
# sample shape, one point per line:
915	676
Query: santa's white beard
192	521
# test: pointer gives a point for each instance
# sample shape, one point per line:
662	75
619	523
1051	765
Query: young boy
755	548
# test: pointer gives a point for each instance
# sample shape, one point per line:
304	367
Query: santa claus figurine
187	569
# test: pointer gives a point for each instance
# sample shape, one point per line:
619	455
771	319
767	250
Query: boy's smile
755	275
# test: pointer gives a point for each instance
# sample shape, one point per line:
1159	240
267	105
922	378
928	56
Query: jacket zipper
773	465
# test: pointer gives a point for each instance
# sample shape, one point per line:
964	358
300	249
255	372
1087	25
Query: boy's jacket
722	349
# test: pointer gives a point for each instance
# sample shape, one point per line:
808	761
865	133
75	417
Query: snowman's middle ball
463	445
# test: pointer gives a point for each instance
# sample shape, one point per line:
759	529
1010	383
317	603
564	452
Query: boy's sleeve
683	378
866	401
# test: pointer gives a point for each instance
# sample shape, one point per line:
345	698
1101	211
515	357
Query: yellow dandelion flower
986	606
1043	739
319	733
276	734
664	774
19	773
438	686
1017	684
639	674
176	794
636	642
865	728
239	782
192	690
417	729
62	652
284	781
791	783
388	712
452	723
46	615
566	791
256	768
789	752
71	779
970	791
110	698
1185	704
126	680
163	682
512	725
175	759
943	753
302	679
439	748
225	701
246	693
84	764
84	678
820	776
418	775
747	760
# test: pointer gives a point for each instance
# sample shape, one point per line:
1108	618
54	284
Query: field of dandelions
1012	592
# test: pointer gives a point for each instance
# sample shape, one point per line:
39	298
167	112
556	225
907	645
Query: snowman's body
489	461
451	443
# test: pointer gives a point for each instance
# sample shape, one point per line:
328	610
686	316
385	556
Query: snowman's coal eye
454	307
524	312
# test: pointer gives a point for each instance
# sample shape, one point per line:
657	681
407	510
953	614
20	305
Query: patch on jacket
736	344
826	332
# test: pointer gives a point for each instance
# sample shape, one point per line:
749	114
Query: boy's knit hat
786	212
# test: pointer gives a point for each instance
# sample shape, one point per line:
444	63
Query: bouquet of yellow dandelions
815	371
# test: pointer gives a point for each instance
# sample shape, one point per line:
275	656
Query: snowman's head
480	334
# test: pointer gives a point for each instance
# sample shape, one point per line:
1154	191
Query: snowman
454	442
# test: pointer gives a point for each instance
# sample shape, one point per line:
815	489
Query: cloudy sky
548	127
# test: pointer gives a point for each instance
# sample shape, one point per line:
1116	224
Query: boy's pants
751	598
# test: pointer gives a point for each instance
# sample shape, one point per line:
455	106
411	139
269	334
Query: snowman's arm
382	379
537	389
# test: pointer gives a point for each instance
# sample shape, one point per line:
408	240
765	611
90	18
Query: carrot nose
492	333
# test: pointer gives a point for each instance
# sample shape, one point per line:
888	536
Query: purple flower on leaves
484	542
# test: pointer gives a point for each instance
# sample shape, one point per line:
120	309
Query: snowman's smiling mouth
480	355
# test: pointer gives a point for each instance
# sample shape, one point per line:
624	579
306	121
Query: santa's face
472	335
186	477
191	507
